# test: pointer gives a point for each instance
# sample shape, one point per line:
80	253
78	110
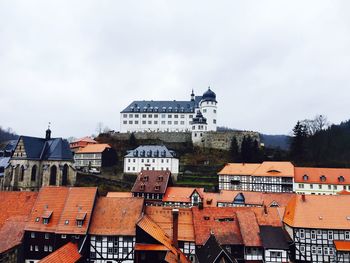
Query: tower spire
48	132
192	95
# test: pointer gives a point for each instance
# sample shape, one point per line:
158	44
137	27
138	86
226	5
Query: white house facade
169	116
151	157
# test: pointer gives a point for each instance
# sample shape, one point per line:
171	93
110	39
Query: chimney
265	210
303	197
175	213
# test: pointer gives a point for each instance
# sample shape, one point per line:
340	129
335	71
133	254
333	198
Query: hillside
7	135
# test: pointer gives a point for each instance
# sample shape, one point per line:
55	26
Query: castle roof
209	95
164	106
151	151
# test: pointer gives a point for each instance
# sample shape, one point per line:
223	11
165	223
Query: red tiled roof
239	168
314	175
78	205
66	254
212	219
249	228
116	216
94	148
150	247
318	212
164	218
151	182
15	209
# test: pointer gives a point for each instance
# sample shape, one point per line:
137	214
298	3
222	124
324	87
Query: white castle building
169	116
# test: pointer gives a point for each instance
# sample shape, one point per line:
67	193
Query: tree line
7	134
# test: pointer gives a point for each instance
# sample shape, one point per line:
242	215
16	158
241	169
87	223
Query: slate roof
42	149
66	254
149	179
211	251
151	151
274	238
116	216
163	106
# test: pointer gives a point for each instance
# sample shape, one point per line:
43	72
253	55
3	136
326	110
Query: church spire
192	96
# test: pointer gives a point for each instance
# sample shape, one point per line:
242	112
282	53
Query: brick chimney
303	197
175	213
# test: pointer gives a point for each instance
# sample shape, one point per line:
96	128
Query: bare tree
315	125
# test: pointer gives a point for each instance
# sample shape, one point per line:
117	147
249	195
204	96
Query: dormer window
305	177
46	217
160	178
157	187
144	178
341	179
80	219
142	187
323	178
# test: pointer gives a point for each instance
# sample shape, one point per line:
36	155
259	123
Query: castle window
214	111
125	115
21	177
33	175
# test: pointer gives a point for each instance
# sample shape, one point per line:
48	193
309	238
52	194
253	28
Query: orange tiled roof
49	199
280	169
207	219
66	254
15	209
163	217
342	245
119	194
85	139
319	212
314	175
94	148
180	194
155	231
78	206
249	228
116	216
150	247
239	168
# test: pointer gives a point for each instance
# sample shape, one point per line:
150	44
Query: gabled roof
60	204
318	212
42	149
239	169
342	245
115	216
151	151
211	252
66	254
155	231
222	221
180	194
172	106
331	175
274	238
15	209
164	218
147	180
85	139
280	169
249	228
94	148
78	206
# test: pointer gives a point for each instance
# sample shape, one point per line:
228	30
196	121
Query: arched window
53	175
65	175
21	175
33	176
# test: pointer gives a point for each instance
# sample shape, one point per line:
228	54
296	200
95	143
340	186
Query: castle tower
208	107
199	126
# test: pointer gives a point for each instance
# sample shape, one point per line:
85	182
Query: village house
68	253
78	144
321	181
95	156
319	225
151	157
15	209
113	229
276	177
169	116
38	162
59	215
152	185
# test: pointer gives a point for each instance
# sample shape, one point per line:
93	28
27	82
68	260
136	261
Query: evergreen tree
298	143
234	150
132	140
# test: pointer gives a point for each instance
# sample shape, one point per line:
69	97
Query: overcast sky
78	63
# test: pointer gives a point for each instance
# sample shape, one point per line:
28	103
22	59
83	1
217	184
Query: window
320	186
149	122
182	116
214	121
31	248
45	221
63	236
136	115
214	111
33	175
47	235
155	122
80	223
301	185
275	254
176	116
313	249
163	116
143	122
66	222
329	187
319	250
302	233
46	248
36	248
32	235
313	234
176	122
155	115
330	235
149	115
334	187
125	122
50	248
125	115
130	116
182	122
130	122
311	186
163	122
347	235
144	115
169	122
204	110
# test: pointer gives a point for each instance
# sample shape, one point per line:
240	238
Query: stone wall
215	140
222	140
